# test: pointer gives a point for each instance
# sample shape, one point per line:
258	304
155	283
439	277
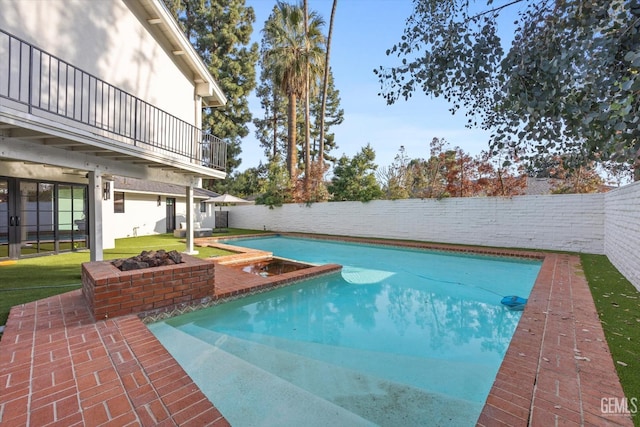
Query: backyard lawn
618	305
31	279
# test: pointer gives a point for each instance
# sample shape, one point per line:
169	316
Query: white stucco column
95	216
189	234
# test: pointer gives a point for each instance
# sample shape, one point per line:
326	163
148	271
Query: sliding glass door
72	217
38	218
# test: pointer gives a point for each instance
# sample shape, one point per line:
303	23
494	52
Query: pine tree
354	178
271	129
333	116
220	31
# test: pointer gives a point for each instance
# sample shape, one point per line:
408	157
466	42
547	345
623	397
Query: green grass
31	279
618	305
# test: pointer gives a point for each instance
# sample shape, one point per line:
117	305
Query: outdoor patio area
60	367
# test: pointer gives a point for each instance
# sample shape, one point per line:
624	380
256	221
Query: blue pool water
399	337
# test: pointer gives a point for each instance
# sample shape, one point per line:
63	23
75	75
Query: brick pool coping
558	367
60	367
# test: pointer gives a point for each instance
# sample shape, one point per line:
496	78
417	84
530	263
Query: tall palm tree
292	50
307	121
325	83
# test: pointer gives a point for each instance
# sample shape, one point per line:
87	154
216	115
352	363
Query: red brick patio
60	367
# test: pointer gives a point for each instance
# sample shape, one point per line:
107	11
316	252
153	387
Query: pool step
468	381
266	399
379	400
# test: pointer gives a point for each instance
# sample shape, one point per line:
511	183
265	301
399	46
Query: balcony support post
189	234
95	216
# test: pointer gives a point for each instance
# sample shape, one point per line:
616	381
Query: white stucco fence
568	222
622	231
590	223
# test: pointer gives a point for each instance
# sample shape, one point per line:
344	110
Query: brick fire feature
147	292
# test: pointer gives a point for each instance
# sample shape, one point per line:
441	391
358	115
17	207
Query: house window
203	207
118	202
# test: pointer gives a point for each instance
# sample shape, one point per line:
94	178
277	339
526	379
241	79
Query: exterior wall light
106	191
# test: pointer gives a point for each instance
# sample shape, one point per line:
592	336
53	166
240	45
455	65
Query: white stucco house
143	207
90	91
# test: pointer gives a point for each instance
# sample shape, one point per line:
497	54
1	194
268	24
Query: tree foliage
448	172
333	116
271	128
249	182
277	188
565	175
569	80
325	81
220	31
396	179
354	178
288	48
290	51
584	179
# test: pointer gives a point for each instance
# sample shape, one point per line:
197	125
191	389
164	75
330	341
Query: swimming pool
401	336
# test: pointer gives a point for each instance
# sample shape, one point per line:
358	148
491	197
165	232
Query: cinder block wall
572	222
622	231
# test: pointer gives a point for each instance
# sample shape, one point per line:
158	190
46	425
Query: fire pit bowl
148	259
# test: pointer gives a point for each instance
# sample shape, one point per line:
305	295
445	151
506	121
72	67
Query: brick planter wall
111	292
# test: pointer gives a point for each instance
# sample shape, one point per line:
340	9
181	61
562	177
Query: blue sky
363	31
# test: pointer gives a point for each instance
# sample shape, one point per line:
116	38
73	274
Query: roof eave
206	86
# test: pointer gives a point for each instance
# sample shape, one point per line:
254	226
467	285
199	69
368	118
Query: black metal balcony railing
42	81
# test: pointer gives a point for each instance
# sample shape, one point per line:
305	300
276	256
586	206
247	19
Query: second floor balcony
44	97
